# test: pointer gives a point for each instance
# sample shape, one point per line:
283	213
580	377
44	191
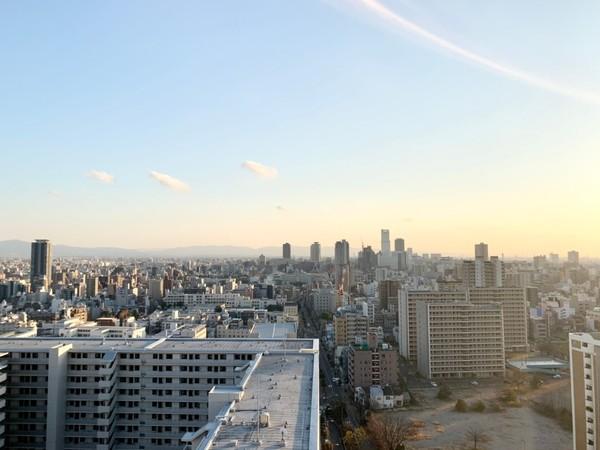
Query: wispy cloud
259	169
100	175
500	68
170	182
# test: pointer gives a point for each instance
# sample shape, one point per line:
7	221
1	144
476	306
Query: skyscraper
287	251
315	252
481	251
399	245
41	264
342	265
385	242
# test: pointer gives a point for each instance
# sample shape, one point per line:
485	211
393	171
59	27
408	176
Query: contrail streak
510	72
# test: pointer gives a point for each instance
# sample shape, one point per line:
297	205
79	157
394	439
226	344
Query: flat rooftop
162	344
283	388
275	330
538	364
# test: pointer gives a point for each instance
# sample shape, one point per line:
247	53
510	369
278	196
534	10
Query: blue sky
367	125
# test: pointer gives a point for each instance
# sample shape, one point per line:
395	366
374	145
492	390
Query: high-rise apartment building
584	351
514	309
315	252
350	328
407	315
385	242
103	394
482	273
481	251
388	294
368	366
460	339
41	264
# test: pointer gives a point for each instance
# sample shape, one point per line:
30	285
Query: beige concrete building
350	328
515	311
407	315
482	273
459	339
584	350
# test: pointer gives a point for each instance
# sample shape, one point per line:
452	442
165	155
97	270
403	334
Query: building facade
460	339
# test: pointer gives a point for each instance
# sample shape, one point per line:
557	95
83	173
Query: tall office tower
385	242
584	351
481	251
459	339
156	289
73	394
573	257
342	265
407	315
315	252
399	245
287	251
514	309
92	286
41	264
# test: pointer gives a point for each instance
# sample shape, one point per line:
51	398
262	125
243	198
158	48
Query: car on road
434	384
475	383
557	376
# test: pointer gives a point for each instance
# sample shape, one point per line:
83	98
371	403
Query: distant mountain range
22	249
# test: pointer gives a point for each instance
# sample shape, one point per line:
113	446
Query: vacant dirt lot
513	428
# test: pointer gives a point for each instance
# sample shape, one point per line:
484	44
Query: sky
150	124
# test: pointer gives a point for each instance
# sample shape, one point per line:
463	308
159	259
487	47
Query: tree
355	439
444	393
461	405
477	438
389	434
478	406
535	381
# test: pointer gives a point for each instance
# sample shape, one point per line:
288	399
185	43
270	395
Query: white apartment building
584	351
164	393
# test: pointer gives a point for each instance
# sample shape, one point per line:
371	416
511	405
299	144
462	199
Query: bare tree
477	437
389	434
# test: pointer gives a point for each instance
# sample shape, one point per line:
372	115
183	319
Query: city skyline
237	139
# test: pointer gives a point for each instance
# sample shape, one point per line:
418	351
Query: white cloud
259	169
99	175
506	70
170	182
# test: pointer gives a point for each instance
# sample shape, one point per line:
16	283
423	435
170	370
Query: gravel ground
514	428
